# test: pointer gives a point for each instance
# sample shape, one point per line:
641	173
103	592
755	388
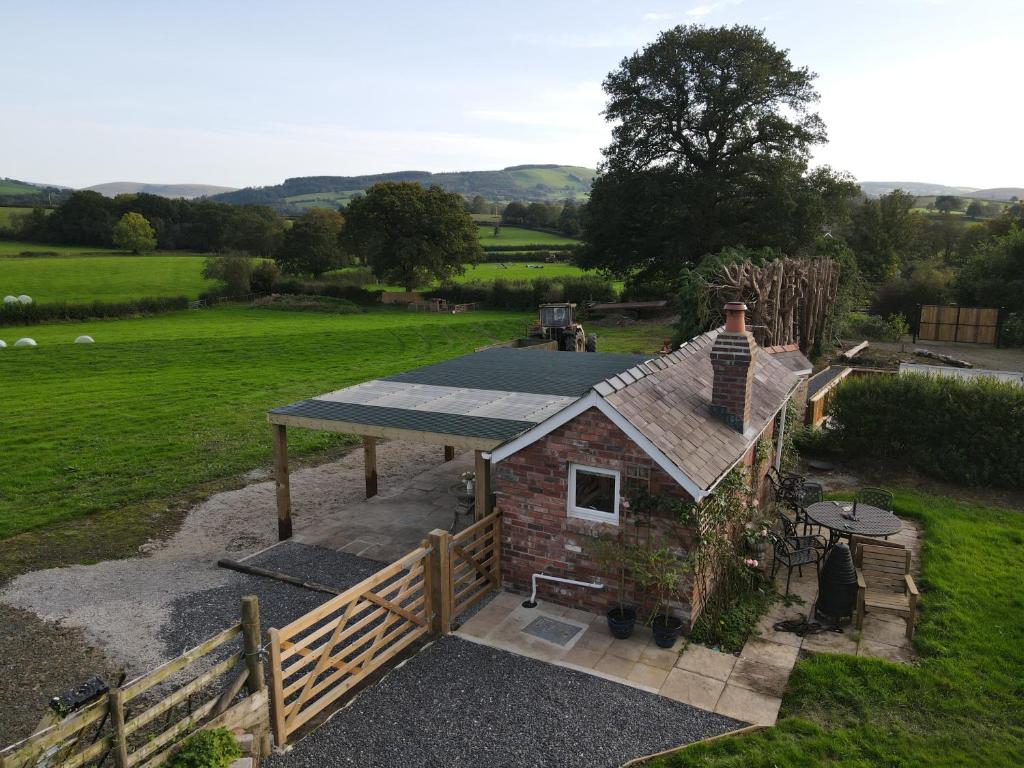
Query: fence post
440	581
276	689
253	655
116	698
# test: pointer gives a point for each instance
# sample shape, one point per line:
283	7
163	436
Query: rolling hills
188	191
518	182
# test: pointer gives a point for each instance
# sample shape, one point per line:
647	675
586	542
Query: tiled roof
670	405
791	357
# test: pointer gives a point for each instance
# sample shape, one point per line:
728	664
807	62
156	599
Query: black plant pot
621	622
666	630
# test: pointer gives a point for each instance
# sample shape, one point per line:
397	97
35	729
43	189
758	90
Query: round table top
871	521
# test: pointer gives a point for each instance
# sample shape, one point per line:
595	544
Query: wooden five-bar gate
977	325
322	656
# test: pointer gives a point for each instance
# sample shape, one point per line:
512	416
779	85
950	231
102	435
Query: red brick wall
531	487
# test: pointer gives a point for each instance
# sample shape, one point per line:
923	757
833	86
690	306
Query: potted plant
612	555
469	478
659	571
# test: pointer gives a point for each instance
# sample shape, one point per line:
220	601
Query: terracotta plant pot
621	622
666	630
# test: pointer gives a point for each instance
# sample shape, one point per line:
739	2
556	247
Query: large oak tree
713	129
410	235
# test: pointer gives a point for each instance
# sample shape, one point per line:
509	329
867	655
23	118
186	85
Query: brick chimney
732	358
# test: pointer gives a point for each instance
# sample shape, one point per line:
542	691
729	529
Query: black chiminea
837	586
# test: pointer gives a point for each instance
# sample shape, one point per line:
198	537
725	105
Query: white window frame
586	513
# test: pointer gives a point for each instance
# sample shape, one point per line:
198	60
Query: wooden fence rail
127	739
319	657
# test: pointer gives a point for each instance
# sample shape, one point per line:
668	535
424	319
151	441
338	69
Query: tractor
557	322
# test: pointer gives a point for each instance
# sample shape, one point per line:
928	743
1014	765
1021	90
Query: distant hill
517	182
999	193
188	191
14	192
920	188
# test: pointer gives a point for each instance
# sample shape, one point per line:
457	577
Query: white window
593	494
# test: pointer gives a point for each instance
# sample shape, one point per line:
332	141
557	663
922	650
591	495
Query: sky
250	93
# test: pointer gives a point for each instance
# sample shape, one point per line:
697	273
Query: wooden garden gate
320	657
977	325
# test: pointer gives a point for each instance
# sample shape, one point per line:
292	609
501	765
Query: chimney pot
735	317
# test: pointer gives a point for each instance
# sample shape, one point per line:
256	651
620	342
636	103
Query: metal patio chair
792	557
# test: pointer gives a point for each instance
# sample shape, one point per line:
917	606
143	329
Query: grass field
7	213
102	278
961	706
520	236
16	248
159	404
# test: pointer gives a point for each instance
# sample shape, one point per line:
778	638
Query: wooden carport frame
370	434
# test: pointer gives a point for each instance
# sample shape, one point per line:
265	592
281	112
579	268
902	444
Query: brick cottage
676	425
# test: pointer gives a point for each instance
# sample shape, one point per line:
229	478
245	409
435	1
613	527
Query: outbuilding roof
486	397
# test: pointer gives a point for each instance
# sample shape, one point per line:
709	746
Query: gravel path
126	607
461	704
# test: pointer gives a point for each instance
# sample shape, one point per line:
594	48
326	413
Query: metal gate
975	325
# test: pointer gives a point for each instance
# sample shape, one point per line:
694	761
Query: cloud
699	11
659	16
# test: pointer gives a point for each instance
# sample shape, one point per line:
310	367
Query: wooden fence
977	325
319	657
106	726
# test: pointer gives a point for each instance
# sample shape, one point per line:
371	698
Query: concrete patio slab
747	705
763	678
701	660
693	689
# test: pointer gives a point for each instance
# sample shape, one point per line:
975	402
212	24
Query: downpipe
532	602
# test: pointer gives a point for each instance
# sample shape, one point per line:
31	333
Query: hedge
33	314
535	247
352	293
527	294
964	431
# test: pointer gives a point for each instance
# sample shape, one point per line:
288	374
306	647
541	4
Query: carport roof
478	400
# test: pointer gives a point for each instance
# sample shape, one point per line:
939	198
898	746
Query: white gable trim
594	400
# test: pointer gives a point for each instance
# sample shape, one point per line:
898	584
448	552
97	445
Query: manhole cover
552	630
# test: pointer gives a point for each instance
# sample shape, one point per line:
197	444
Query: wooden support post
449	452
483	485
254	656
277	723
284	498
117	724
370	464
440	579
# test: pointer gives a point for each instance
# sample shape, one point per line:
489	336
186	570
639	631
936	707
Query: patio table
870	521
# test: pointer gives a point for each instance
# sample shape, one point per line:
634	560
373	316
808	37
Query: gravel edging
458	703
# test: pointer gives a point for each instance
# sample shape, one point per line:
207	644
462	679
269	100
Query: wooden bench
884	583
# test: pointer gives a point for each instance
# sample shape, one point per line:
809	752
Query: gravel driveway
461	704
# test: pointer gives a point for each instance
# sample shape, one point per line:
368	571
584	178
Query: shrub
1012	333
212	748
731	628
33	314
857	325
264	275
309	303
233	270
965	431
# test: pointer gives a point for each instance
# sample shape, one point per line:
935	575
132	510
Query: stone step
242	762
246	744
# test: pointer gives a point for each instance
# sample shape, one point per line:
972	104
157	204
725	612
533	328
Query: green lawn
962	706
520	236
160	404
102	278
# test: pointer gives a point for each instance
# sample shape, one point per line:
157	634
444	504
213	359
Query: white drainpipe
532	602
